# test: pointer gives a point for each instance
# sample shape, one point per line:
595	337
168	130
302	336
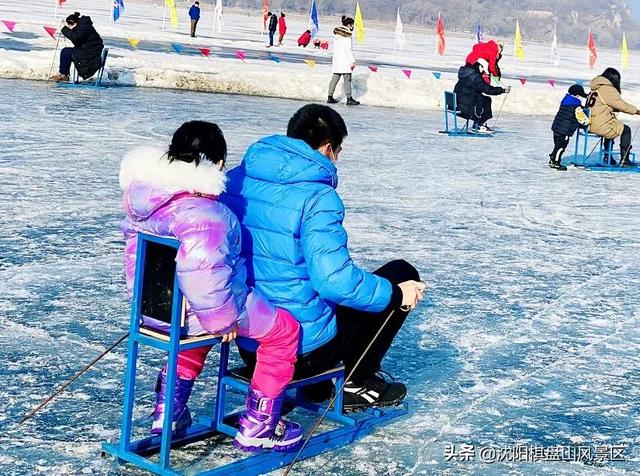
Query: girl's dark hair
195	141
317	125
73	19
347	21
613	75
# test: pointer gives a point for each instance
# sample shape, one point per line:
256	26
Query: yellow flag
624	52
518	50
171	4
310	63
359	25
133	42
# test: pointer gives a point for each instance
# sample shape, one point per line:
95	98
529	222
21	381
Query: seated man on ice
295	246
472	98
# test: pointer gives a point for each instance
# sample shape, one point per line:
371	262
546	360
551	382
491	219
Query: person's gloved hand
507	90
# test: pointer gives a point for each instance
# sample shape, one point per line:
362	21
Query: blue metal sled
97	79
156	294
451	123
586	157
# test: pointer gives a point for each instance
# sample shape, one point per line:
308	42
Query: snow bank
28	54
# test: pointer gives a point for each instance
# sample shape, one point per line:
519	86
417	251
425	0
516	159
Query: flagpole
164	14
310	10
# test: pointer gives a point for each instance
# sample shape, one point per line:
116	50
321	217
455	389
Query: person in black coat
273	26
569	117
86	53
471	96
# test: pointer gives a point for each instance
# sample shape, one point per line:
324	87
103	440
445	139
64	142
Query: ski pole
71	380
500	111
333	399
55	53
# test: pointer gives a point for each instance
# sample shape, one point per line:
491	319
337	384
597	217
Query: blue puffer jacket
293	240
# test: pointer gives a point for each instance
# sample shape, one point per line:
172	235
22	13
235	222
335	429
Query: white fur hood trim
151	165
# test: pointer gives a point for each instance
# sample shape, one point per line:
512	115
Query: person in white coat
343	62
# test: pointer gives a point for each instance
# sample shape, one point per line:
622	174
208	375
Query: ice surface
28	53
529	337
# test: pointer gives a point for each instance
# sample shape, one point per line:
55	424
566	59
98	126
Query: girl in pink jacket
175	194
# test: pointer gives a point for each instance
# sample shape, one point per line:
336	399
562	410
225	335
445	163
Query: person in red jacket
282	28
304	39
491	52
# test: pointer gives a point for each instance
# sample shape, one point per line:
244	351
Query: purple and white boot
262	428
181	415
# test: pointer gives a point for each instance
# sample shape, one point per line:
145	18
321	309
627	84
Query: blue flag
478	33
118	9
313	19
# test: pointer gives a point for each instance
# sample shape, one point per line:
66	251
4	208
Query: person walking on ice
343	62
272	27
194	14
175	194
282	28
569	117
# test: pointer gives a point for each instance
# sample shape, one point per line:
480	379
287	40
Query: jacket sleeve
618	104
204	275
77	35
332	272
481	86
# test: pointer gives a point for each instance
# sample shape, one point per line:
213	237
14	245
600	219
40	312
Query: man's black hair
317	125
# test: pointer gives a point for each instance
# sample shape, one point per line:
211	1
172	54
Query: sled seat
590	153
99	74
157	295
451	114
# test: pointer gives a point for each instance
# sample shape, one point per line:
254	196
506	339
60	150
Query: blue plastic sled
160	297
586	157
95	82
451	123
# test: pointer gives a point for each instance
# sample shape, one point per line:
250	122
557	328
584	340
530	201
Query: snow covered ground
529	337
28	53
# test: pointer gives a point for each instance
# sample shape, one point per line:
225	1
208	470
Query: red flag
205	51
591	46
265	10
440	41
241	55
407	73
60	2
51	31
373	68
9	24
552	82
523	80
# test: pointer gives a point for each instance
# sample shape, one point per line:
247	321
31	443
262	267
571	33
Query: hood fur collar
151	165
343	31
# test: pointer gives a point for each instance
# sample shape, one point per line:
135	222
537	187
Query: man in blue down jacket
284	194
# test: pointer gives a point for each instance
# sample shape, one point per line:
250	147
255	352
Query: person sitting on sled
569	117
604	102
491	52
175	194
472	95
284	194
86	53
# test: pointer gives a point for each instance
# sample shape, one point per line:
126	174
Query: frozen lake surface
530	336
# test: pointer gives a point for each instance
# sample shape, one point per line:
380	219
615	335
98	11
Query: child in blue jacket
570	116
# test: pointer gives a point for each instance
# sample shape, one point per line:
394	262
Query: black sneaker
331	100
352	102
372	392
556	165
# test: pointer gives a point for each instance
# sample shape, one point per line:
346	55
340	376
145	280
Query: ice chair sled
156	294
585	155
452	116
97	77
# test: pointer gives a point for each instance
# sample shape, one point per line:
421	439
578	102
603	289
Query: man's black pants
356	330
